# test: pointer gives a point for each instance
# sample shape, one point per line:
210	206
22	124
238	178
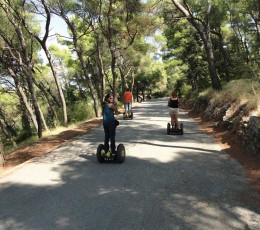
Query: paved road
167	182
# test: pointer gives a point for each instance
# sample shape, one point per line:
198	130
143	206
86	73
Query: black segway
171	130
119	157
131	116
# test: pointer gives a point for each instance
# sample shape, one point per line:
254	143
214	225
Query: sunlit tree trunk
2	156
87	75
60	91
47	96
42	42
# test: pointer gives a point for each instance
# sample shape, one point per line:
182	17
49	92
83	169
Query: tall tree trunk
60	92
7	123
100	63
211	60
123	83
224	56
114	74
7	134
35	103
203	30
75	37
101	73
47	96
24	98
42	42
46	128
24	61
91	86
25	119
2	155
83	64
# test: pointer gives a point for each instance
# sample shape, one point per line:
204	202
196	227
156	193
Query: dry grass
243	92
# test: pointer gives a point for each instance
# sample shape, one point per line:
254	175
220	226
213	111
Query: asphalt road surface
166	182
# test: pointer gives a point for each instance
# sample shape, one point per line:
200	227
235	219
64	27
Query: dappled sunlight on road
166	182
206	213
37	174
143	151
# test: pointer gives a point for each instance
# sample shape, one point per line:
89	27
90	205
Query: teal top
108	113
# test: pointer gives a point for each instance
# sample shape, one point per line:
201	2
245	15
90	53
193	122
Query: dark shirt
173	103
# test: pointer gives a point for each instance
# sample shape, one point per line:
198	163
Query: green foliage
151	79
127	30
24	142
159	94
9	106
80	111
185	63
24	136
235	38
240	91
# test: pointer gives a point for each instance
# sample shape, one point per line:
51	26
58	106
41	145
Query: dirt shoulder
46	145
229	143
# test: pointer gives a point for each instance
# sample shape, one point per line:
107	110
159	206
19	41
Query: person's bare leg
176	121
172	120
125	110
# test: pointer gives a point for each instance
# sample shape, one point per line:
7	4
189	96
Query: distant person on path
128	98
173	104
110	123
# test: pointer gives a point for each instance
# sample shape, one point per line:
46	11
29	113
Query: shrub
159	94
80	111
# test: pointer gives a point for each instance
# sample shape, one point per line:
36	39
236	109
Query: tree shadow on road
132	195
188	187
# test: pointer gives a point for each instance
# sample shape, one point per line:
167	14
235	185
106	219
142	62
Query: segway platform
118	157
131	116
174	131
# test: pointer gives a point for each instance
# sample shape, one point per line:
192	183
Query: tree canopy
151	46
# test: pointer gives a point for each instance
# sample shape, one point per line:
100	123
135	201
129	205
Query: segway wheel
120	158
132	115
100	149
181	127
168	128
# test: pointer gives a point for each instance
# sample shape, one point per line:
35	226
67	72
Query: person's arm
114	107
168	104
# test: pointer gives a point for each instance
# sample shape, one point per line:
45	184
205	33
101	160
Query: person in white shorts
173	104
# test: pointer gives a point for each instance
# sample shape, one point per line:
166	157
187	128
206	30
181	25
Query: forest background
199	48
